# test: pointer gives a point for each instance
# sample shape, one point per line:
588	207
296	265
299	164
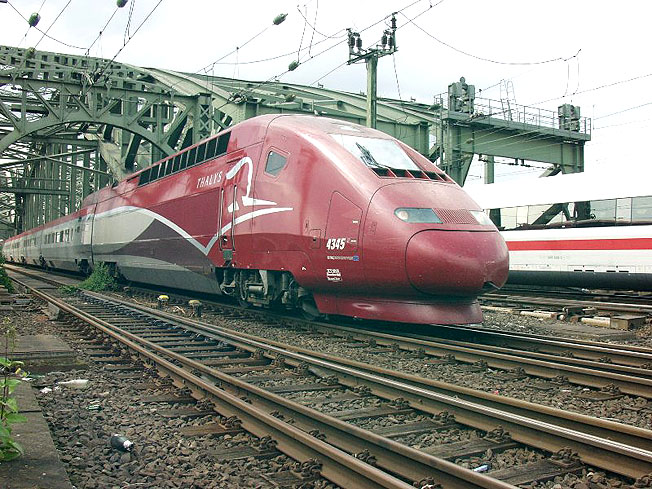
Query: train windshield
376	153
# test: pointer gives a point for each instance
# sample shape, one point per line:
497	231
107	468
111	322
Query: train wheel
310	311
242	297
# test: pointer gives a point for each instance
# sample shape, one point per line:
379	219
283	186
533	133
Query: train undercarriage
265	288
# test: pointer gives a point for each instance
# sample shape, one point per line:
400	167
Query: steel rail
639	384
629	384
622	434
626	350
604	306
632	355
619	432
594	362
630	460
339	466
619	297
625	355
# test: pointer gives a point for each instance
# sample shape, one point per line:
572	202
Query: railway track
643	298
205	356
612	369
563	302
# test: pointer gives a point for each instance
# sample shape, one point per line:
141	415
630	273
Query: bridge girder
84	121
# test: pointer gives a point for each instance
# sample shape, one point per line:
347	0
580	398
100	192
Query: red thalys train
308	212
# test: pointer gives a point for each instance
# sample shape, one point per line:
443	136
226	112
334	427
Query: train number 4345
336	243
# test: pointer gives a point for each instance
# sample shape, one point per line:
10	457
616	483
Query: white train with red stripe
584	230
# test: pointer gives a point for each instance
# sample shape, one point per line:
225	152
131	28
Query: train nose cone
456	262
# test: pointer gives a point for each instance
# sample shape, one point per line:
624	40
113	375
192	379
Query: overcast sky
612	40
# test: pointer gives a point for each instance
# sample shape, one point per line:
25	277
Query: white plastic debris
45	390
121	443
75	383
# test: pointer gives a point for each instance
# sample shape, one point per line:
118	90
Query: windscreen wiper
368	158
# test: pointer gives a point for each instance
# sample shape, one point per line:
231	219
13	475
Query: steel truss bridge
70	125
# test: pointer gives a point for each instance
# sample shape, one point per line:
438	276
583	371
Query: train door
235	207
343	226
86	224
342	238
226	215
271	232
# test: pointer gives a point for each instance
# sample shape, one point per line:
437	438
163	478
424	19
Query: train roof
576	187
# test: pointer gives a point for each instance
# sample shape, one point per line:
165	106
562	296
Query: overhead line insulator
34	19
280	18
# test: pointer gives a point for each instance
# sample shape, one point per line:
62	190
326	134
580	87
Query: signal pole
370	56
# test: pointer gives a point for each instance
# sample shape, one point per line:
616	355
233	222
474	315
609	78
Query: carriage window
169	169
223	143
191	157
154	175
144	177
513	217
275	163
541	215
603	210
201	153
210	148
624	210
641	209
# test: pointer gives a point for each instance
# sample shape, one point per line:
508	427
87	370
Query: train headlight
414	214
482	218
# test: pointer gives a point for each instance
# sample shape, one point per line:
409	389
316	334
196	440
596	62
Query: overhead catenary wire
303	32
374	24
271	58
314	28
97	76
72	46
624	124
623	110
332	36
276	77
210	66
398	87
102	31
593	89
28	29
53	22
488	60
128	26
